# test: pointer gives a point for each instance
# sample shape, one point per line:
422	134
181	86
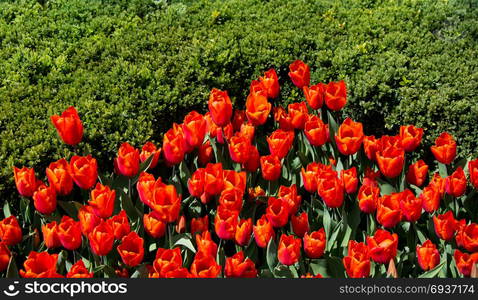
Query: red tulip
40	265
315	95
257	108
196	183
225	223
153	225
473	169
430	198
174	145
147	150
59	177
243	232
69	126
336	95
455	184
298	114
101	239
277	212
299	73
417	173
10	231
410	206
235	180
316	131
220	107
331	191
120	224
5	256
271	83
253	163
357	262
84	171
205	153
131	249
69	233
127	161
263	232
283	119
445	225
289	250
194	128
145	187
388	210
270	167
25	181
411	137
280	142
349	137
371	146
428	255
231	199
199	225
444	149
390	157
78	270
465	262
314	244
213	179
300	224
238	266
239	148
291	197
382	246
350	180
368	196
102	200
44	199
469	237
204	267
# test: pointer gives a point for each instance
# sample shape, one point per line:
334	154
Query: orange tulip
235	180
120	224
299	73
25	181
263	232
464	262
411	137
238	266
199	225
444	149
445	225
271	83
165	202
147	150
231	199
283	118
316	131
257	108
430	198
350	180
44	199
289	250
101	239
277	212
225	223
194	128
78	270
153	225
50	235
455	184
84	171
270	167
40	265
331	191
5	256
220	107
410	206
205	244
336	95
315	95
243	232
371	146
417	173
280	142
390	157
10	231
131	249
205	153
213	179
314	244
102	200
69	233
298	113
368	195
174	145
88	219
388	210
59	177
428	255
239	148
382	246
349	137
204	267
68	126
127	161
196	183
145	187
473	169
469	237
357	262
291	197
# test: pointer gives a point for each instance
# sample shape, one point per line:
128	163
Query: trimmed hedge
133	67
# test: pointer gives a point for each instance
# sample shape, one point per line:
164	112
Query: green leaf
433	272
140	272
271	255
71	208
185	241
6	210
128	206
385	188
184	173
12	271
327	224
442	170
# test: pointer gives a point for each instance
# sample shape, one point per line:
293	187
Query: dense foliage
132	67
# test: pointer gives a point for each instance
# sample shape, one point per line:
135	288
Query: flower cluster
266	191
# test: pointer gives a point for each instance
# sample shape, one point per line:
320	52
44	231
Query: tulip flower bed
262	192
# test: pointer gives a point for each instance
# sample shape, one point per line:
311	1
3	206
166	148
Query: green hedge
132	67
